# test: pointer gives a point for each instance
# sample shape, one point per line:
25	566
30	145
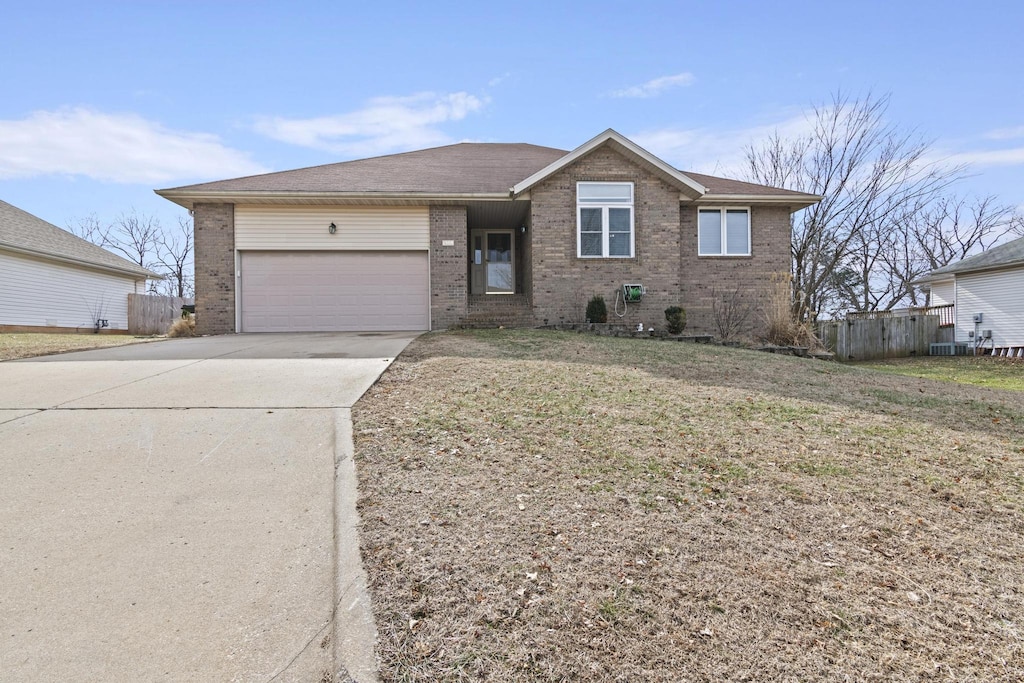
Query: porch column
449	265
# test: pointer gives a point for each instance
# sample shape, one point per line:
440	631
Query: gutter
188	198
801	201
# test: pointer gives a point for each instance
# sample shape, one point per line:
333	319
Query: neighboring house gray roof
1009	254
22	232
488	170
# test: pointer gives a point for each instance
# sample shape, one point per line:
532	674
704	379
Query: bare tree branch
868	173
143	240
174	256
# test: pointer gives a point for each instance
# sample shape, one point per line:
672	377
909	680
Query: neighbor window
723	232
604	220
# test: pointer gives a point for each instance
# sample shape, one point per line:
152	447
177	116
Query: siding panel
997	296
943	294
360	228
42	293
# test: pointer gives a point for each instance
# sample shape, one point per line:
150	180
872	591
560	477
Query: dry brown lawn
29	344
554	507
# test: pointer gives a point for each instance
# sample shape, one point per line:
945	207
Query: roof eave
691	186
1019	263
795	201
188	198
135	275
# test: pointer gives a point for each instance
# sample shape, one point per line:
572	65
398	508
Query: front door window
492	262
500	278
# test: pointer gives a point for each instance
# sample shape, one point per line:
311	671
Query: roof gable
24	233
627	148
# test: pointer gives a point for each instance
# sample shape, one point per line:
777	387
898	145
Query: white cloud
498	80
715	151
721	151
1005	133
120	148
656	86
1013	156
385	124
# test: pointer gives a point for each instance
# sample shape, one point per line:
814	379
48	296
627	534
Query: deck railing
947	316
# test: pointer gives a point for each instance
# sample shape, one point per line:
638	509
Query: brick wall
707	278
448	266
563	283
215	268
666	260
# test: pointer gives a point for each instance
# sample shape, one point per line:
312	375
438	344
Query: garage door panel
334	291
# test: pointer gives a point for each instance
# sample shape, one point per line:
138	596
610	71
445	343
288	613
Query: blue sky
102	102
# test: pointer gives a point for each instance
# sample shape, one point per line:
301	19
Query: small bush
730	313
597	311
183	327
676	318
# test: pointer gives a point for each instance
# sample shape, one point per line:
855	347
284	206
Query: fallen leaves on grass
666	512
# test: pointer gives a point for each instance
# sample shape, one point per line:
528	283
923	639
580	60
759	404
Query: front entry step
497	310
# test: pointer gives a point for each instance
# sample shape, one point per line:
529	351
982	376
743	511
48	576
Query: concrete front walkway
171	511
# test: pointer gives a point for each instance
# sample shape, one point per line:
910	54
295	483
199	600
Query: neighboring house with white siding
990	284
51	280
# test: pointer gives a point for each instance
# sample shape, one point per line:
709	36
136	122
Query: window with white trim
723	231
604	220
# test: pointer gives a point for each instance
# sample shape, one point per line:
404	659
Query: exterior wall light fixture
332	228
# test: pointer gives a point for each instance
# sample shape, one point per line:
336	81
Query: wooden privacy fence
150	314
880	337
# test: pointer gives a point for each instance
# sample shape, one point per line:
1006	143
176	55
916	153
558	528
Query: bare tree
868	173
90	228
954	228
143	240
885	262
174	256
132	235
136	237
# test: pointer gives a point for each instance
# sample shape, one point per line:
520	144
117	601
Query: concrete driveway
171	511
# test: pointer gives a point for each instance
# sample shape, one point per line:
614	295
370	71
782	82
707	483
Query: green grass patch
902	398
996	373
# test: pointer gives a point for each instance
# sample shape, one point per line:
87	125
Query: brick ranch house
505	233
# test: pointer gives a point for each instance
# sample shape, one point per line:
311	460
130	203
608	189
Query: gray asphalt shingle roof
1009	254
718	185
467	167
21	230
454	169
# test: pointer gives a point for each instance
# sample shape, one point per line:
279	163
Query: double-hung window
604	220
723	232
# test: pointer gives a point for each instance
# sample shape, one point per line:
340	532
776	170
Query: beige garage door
329	291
